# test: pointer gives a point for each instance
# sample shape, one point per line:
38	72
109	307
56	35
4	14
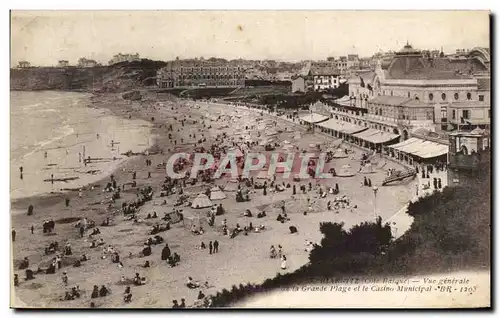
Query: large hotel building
201	73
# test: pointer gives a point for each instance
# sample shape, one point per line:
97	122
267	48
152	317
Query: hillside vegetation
118	77
451	231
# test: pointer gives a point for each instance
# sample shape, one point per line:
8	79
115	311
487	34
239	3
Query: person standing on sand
32	228
65	279
283	262
210	247
67	202
14	235
216	246
82	230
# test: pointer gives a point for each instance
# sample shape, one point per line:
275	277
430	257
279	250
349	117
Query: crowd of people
135	211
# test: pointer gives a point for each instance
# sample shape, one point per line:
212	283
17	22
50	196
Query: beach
242	259
53	131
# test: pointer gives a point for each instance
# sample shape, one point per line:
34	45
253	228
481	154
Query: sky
44	37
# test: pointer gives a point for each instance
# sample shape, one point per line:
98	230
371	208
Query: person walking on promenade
210	247
216	246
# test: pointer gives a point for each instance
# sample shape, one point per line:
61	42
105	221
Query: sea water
50	132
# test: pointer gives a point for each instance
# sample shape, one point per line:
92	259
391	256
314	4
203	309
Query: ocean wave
65	132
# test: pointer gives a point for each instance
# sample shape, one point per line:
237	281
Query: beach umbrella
217	194
201	201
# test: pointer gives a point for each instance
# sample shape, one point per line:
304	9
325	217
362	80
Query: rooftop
471	104
398	101
390	100
409	63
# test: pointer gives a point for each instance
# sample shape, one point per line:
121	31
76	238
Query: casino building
407	107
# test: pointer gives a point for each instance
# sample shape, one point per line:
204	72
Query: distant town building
23	64
63	63
200	73
118	58
298	84
83	62
325	80
353	61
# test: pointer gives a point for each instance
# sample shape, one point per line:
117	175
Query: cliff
115	78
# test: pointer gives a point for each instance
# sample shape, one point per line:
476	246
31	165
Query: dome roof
408	50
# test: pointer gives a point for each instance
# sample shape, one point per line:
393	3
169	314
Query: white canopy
201	201
217	194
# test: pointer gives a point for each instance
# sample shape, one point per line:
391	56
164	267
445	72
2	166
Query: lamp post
375	190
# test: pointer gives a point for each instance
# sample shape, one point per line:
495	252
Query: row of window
210	77
225	83
207	68
456	96
362	123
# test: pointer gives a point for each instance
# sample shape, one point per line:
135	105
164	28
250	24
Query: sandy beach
240	260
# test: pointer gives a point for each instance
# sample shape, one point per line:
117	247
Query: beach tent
231	186
201	201
339	153
217	194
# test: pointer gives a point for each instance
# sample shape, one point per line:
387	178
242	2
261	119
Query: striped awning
313	118
421	148
405	143
375	136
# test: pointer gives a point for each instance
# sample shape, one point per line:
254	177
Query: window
481	98
468	96
456	96
392	93
408	94
453	114
431	96
443	96
380	111
489	113
466	114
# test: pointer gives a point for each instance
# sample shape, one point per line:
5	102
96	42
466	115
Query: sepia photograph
250	159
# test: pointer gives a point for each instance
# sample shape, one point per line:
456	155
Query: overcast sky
43	38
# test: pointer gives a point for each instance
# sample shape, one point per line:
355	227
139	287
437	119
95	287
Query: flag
362	82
